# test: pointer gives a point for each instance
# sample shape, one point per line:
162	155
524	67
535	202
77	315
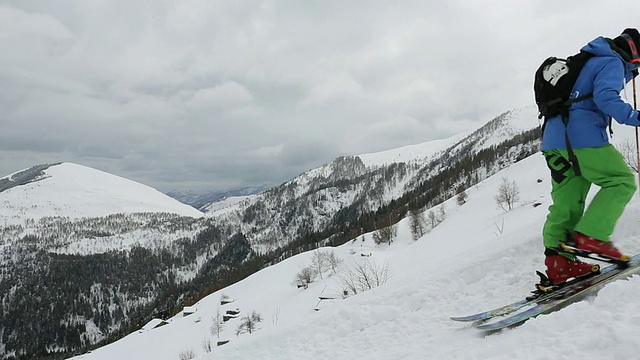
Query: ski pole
635	106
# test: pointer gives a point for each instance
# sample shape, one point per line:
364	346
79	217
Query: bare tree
320	262
385	235
416	223
628	150
508	194
217	325
334	261
441	214
305	277
249	323
432	218
362	276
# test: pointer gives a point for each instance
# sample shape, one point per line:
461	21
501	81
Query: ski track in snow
479	258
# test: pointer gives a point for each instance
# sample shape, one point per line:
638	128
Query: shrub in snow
629	153
225	299
187	354
461	199
385	235
363	276
206	345
305	277
323	261
249	323
508	194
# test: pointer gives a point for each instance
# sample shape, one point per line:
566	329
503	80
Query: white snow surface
479	258
76	191
409	153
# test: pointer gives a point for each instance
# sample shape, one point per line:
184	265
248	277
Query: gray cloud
214	94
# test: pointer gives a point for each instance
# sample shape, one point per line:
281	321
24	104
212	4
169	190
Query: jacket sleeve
608	83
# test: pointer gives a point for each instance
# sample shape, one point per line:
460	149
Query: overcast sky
208	94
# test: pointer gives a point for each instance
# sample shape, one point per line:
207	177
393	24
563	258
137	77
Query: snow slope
409	153
515	121
76	191
480	257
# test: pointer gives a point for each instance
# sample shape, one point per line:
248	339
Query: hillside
355	190
479	257
130	267
76	191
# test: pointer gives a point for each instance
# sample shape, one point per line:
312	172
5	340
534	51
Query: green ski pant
603	166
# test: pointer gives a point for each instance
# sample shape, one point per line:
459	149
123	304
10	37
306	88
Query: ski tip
465	318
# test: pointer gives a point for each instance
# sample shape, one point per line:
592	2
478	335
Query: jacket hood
600	47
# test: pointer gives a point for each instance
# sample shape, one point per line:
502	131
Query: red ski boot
582	245
561	269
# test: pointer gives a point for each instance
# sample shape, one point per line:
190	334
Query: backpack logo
554	71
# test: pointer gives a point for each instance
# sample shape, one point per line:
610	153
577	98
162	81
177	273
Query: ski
565	296
501	311
532	301
529	300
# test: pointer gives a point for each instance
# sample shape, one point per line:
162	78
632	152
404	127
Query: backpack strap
578	99
565	120
572	156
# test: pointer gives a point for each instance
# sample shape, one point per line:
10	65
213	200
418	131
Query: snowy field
480	257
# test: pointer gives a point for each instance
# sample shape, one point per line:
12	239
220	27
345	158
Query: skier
569	229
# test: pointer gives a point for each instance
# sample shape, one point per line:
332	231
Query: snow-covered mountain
350	187
477	258
76	191
129	267
202	199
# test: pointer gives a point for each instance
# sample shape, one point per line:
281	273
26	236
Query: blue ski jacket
604	76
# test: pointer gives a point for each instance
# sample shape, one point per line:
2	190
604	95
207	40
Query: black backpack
552	87
554	81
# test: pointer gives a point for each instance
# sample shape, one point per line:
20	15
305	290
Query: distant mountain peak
75	191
